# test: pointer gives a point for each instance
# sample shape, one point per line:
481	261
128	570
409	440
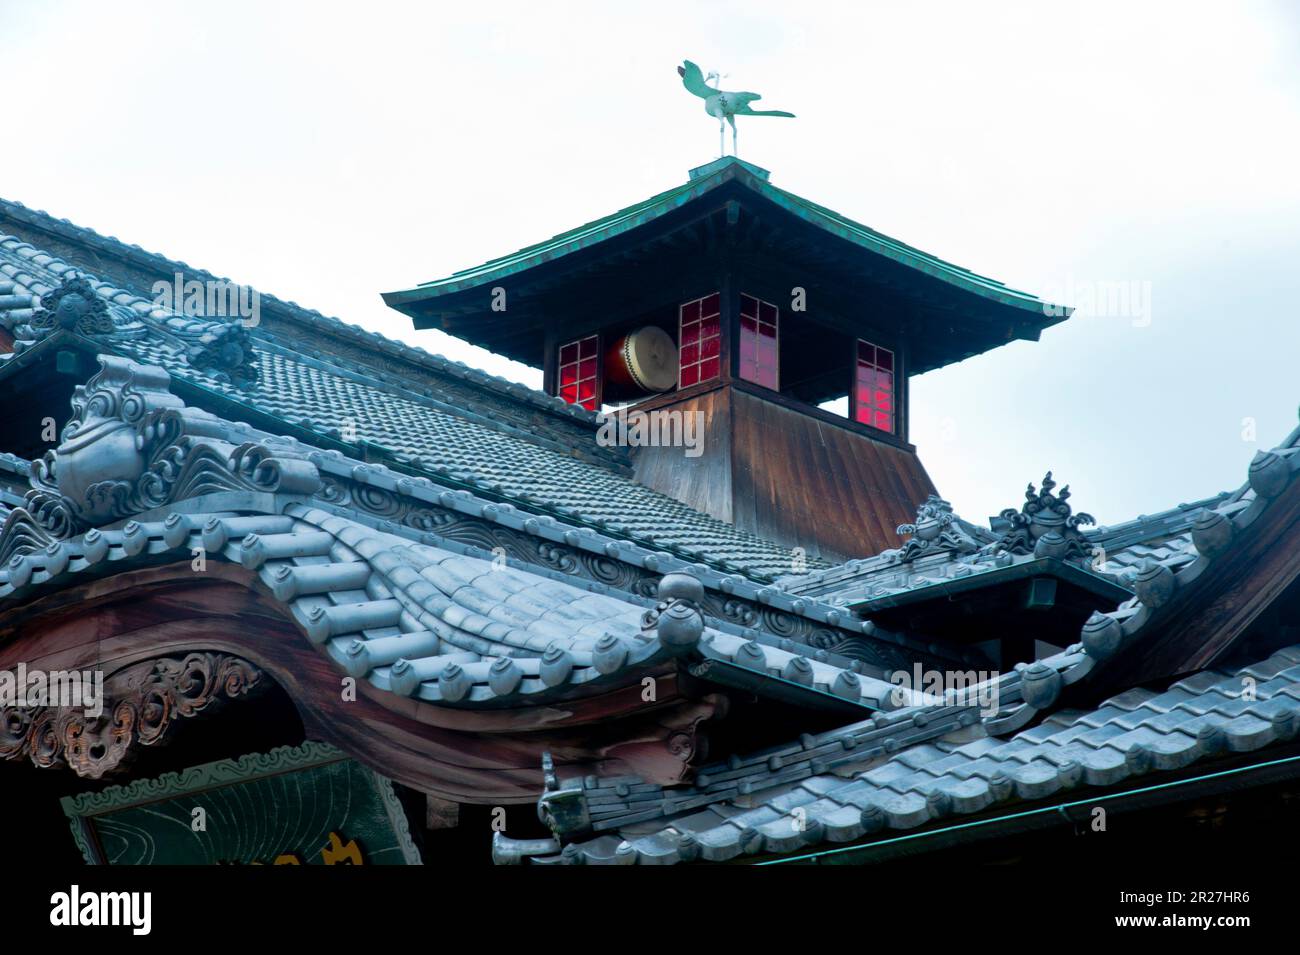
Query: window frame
597	377
776	341
895	410
700	359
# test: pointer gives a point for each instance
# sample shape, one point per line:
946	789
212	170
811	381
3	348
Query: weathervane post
723	105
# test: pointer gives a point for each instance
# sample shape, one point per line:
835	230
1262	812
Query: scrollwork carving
74	306
227	351
1044	525
132	446
935	530
142	705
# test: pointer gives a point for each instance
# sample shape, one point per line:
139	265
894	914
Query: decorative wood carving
141	705
122	621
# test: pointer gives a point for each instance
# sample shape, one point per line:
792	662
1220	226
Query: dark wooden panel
703	482
828	489
791	477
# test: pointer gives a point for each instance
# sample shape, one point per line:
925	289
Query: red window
578	372
758	321
873	387
700	340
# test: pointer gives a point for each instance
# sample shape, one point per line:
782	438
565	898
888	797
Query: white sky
326	153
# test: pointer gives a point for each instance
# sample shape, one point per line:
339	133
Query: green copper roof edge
581	237
898	251
630	217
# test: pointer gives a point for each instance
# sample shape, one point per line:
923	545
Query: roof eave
610	227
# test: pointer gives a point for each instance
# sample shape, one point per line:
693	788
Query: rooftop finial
723	105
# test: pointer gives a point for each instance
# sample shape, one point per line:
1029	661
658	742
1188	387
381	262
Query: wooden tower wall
792	474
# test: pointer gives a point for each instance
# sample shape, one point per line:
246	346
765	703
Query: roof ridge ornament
132	446
723	105
74	306
1045	525
936	530
226	351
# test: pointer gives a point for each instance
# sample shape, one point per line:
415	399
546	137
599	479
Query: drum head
650	358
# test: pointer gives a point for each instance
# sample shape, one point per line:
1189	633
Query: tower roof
733	204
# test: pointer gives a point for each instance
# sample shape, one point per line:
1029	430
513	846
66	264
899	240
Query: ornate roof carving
222	347
74	306
142	704
132	446
936	530
226	350
1045	525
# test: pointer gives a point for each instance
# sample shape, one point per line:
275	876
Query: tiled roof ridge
414	354
1111	539
47	270
424	490
1040	684
390	609
1131	734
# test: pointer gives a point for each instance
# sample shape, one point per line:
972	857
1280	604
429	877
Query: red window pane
699	338
579	372
873	387
758	338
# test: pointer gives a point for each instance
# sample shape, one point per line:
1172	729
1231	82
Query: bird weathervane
722	105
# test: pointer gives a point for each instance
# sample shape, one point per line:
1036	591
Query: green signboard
303	805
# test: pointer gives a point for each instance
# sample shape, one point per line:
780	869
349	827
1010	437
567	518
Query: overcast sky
326	153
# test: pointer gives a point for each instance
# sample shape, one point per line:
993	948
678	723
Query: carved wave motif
22	533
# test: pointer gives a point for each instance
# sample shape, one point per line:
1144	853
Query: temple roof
988	312
415	411
1141	737
1112	555
470	550
967	748
413	619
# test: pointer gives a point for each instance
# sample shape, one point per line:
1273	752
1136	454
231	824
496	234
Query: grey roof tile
1031	766
450	441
